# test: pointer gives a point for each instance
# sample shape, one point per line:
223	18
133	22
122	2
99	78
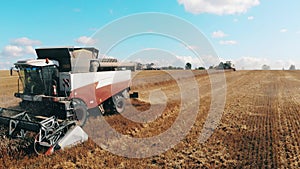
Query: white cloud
76	10
250	63
5	65
298	32
177	61
191	47
235	20
17	51
228	42
24	41
93	29
209	60
283	30
195	61
218	34
12	50
258	62
218	7
19	47
279	64
202	61
86	40
250	17
29	50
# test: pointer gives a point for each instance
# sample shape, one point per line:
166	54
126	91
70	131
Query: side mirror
11	71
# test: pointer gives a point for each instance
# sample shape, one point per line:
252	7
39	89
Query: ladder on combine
51	133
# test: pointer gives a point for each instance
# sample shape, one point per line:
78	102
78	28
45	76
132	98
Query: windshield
38	80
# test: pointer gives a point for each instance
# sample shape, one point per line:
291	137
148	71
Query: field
259	126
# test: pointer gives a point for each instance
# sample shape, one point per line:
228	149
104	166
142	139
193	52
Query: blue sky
248	32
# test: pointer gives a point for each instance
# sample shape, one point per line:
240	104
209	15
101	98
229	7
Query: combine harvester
225	66
58	90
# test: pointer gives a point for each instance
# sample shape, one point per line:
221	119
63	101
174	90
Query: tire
80	112
119	103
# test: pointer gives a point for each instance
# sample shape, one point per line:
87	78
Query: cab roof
38	62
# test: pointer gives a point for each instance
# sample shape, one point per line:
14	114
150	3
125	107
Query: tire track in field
272	139
259	140
289	138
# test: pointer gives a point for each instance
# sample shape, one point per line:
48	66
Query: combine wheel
80	111
119	103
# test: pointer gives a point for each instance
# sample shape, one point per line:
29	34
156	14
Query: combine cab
62	85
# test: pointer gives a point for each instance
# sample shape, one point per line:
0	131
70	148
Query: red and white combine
58	89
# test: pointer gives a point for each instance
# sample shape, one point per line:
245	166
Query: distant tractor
226	66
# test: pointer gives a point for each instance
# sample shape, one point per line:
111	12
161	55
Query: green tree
266	67
292	67
188	66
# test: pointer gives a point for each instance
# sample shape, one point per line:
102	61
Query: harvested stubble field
259	126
